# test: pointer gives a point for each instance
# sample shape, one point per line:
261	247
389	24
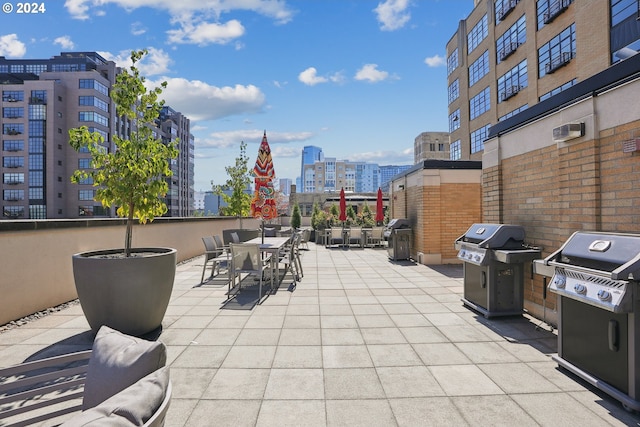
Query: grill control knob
477	257
604	295
560	282
580	289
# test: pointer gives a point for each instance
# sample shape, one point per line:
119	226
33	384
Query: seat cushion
132	406
117	361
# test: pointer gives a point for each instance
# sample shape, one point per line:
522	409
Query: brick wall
557	190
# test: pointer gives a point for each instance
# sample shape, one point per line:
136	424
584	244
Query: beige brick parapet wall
35	256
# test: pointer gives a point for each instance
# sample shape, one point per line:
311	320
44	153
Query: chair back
218	241
377	232
245	256
210	247
306	234
355	232
336	233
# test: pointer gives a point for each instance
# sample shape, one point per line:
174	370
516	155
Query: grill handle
613	335
484	279
624	271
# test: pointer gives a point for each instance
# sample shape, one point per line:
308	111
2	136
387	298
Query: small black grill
596	277
494	257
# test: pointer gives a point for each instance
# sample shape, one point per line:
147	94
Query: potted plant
128	288
296	217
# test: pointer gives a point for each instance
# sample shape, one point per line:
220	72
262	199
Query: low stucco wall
35	256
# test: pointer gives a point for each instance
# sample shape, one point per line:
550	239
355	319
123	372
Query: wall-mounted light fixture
401	187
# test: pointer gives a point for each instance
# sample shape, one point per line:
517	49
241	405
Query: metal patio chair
248	258
212	254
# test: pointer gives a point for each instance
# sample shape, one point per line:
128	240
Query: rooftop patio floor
361	341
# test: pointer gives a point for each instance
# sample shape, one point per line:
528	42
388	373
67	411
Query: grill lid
617	254
492	236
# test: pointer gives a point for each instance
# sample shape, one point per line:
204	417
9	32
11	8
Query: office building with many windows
509	55
41	100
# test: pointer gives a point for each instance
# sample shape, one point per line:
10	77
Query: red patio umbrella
343	206
263	204
379	207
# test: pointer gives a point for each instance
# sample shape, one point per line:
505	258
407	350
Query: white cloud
155	63
392	14
65	42
204	33
275	9
228	139
138	29
310	77
384	156
371	74
435	61
200	101
12	47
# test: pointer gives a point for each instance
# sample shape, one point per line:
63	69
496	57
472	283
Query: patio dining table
272	245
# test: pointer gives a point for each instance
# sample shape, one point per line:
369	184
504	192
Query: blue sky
359	78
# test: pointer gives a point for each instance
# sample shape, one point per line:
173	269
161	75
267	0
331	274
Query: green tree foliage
366	218
132	177
296	217
238	202
351	215
319	218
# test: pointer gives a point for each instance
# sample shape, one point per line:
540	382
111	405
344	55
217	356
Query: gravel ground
23	321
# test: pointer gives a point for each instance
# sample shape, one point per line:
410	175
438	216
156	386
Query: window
93	84
91	116
452	61
37	112
37	211
36	193
559	89
624	42
557	52
36	162
514	112
12	112
88	210
36	179
36	145
84	163
454	120
478	33
479	68
11	145
509	41
35	68
12	95
38	97
13	128
68	67
93	101
85	194
13	195
13	211
37	128
477	138
86	181
511	82
480	103
454	91
13	178
504	8
12	162
548	10
455	152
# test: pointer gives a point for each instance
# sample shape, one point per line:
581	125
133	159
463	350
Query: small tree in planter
296	217
132	176
128	293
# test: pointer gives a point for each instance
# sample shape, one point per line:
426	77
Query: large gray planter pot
131	294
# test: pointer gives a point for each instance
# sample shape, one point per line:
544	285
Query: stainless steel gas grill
596	277
494	256
398	236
